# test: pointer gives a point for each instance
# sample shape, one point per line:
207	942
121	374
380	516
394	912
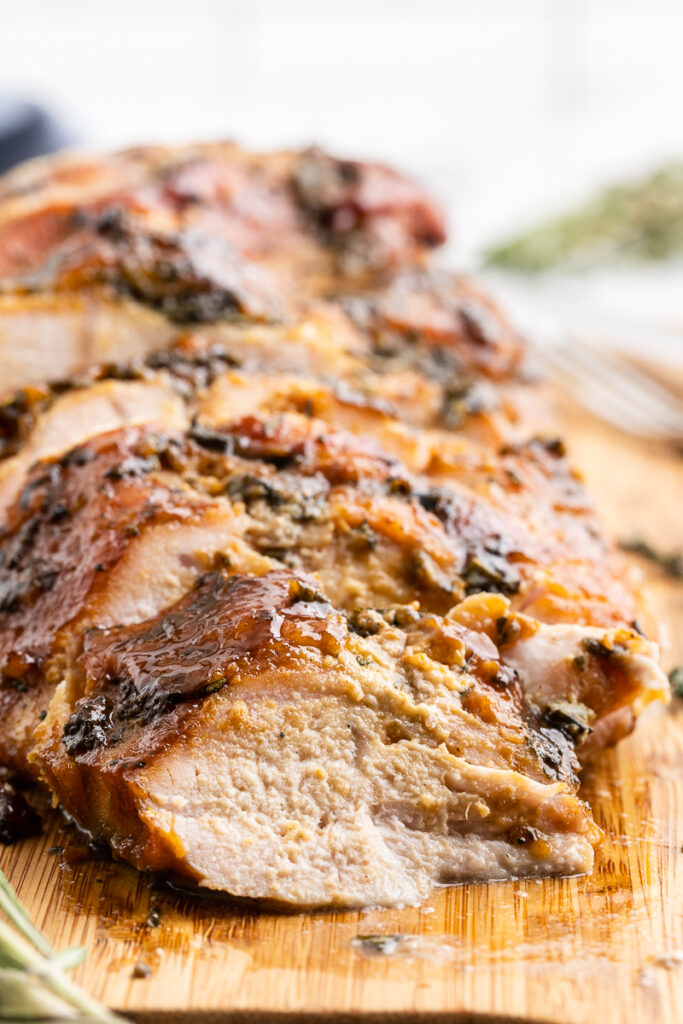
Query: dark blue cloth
26	130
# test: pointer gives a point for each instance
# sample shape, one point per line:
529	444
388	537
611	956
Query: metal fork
613	389
566	345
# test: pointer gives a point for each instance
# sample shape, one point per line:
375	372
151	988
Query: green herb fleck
383	945
676	680
571	719
34	986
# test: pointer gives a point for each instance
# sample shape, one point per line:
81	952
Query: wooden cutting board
605	949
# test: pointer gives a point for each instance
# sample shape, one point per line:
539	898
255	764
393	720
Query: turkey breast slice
84	413
246	740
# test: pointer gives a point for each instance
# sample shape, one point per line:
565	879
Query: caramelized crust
64	538
71	523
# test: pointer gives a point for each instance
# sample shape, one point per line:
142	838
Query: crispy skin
294	601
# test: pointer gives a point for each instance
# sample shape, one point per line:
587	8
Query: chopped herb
247	487
427	573
488	571
300	591
597	648
554	445
212	440
215	684
365	621
280	554
383	945
508	630
363	537
571	719
134	466
462	399
676	680
397	485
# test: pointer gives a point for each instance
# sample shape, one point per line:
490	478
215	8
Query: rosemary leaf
20	1000
33	986
70	958
13	909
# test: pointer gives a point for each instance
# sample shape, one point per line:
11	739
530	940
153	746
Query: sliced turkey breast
298	599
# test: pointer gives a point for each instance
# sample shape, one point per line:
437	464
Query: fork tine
598	395
607	384
633	385
612	396
595	402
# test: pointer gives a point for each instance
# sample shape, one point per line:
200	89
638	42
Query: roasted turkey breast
298	600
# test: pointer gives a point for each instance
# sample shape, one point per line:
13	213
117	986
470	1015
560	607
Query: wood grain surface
607	949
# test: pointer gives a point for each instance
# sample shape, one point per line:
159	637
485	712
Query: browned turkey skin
294	602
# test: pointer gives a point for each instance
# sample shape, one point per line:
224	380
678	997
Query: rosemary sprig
33	986
632	222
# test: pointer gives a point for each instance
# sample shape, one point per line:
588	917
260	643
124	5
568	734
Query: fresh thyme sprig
632	222
34	988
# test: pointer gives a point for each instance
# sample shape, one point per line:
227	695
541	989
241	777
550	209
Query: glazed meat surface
298	598
106	259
